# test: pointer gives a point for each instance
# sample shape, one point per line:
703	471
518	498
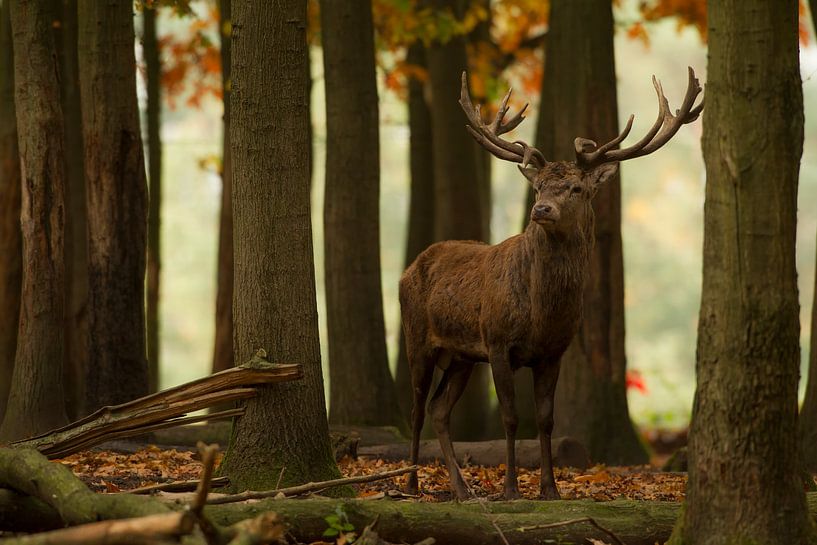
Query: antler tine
488	136
664	128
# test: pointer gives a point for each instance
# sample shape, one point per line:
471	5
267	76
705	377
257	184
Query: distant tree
11	267
76	217
421	203
744	480
361	387
117	204
808	413
457	195
274	303
223	350
579	98
153	75
36	402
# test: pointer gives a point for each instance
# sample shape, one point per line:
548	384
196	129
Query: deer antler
588	153
488	135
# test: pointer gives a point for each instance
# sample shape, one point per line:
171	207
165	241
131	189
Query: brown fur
516	303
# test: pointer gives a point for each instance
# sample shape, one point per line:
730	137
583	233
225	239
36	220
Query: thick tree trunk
153	70
744	478
361	389
36	400
580	100
421	203
76	222
274	306
457	201
808	413
117	205
11	265
223	350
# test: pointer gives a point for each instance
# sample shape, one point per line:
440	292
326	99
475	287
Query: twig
488	514
176	486
589	520
310	487
280	476
208	462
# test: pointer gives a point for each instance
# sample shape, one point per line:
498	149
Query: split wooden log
164	409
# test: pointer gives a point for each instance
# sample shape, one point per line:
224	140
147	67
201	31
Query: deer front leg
448	392
544	387
503	382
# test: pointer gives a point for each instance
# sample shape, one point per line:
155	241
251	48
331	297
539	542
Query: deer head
564	188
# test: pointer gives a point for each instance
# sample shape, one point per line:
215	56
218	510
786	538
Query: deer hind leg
448	392
544	387
422	371
503	382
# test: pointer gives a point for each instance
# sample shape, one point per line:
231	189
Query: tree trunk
153	70
274	306
76	222
808	413
457	206
36	400
223	351
580	100
421	204
361	388
11	266
117	205
744	479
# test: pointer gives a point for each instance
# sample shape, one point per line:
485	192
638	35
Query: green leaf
330	532
348	527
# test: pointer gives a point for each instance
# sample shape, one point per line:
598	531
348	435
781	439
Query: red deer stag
516	303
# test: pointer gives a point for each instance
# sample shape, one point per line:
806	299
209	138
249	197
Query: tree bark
153	71
361	388
274	306
457	202
223	350
421	203
36	400
744	472
579	99
808	412
11	266
117	205
76	222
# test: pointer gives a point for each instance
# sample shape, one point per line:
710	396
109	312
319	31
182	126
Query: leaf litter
106	471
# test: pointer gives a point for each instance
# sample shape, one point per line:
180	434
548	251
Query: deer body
517	303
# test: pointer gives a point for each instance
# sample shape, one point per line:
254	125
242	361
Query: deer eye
576	189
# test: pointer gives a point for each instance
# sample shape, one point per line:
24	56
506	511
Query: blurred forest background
662	200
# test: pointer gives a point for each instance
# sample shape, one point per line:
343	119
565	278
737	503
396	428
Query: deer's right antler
588	153
488	135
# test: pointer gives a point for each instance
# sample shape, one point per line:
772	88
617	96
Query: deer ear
529	172
603	173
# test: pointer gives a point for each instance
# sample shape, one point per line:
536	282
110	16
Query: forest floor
106	471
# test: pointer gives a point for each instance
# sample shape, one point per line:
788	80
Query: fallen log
163	409
567	452
477	522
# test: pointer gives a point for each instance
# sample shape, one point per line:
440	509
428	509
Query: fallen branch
163	409
589	520
309	487
176	486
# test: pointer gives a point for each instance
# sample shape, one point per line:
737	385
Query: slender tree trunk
580	99
808	413
117	204
223	351
360	385
274	304
744	479
153	69
76	222
421	204
458	206
36	401
11	265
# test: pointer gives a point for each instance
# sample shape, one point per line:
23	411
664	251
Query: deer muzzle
545	213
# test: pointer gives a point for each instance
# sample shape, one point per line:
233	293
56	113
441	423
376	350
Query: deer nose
543	208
